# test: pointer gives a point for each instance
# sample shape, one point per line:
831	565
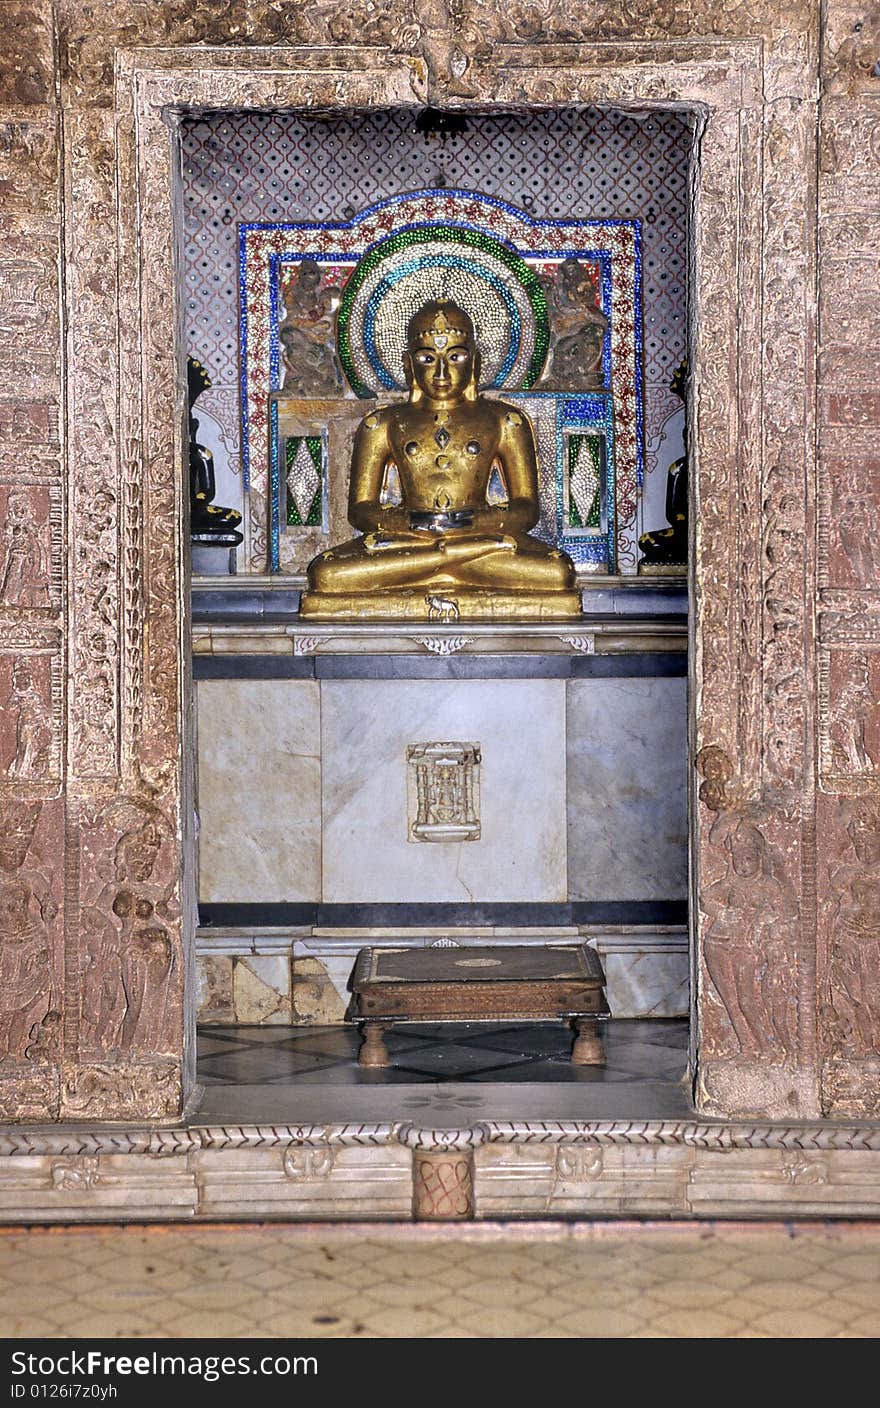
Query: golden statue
443	553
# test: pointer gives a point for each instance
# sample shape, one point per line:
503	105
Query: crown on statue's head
436	324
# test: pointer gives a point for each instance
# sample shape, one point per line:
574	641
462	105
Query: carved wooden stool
479	983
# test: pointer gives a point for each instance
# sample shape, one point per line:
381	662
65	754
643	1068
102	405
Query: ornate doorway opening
285	216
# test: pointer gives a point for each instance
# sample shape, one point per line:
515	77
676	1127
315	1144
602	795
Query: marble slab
366	728
259	790
627	799
647	971
261	990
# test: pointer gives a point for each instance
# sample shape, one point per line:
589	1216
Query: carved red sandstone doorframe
753	299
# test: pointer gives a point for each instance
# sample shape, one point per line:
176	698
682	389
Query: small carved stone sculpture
23	572
578	330
308	336
747	941
26	906
854	967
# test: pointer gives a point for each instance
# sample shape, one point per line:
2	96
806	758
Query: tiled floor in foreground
819	1281
452	1051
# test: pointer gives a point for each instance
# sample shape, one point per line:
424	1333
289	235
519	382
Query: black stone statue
667	548
210	524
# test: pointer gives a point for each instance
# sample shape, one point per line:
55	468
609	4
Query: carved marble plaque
443	791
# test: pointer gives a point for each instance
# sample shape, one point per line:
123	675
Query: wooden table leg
588	1048
373	1050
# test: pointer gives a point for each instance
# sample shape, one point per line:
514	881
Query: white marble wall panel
366	726
646	971
627	802
259	790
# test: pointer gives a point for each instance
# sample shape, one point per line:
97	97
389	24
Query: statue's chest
460	447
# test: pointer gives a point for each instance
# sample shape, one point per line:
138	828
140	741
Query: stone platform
381	1161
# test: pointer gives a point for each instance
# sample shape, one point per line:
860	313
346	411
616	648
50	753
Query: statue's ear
415	393
472	390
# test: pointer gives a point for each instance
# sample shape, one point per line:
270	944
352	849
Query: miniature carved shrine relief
443	786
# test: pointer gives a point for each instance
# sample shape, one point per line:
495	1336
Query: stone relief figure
578	329
444	539
129	953
308	335
748	940
26	906
854	701
33	726
24	577
857	529
103	995
854	911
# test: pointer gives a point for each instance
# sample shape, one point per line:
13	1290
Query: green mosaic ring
502	294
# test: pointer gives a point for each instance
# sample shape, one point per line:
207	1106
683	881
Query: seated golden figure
444	553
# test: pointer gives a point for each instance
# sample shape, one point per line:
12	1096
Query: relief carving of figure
307	335
128	947
854	701
578	328
23	571
26	906
33	727
854	959
748	940
857	529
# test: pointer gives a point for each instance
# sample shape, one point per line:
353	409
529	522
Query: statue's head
746	847
441	360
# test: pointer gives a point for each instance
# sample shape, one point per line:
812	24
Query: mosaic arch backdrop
415	246
560	165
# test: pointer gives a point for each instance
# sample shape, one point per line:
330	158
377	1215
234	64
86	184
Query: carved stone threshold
400	1170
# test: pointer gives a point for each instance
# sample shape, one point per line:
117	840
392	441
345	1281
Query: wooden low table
479	983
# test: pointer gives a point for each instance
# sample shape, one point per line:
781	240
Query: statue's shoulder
506	415
377	419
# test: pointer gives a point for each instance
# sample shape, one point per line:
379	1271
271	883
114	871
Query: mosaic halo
499	291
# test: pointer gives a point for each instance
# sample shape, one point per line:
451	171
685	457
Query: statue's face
443	374
441	358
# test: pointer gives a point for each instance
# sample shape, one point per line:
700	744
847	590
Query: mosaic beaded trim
304	462
614	245
504	297
584	467
557	420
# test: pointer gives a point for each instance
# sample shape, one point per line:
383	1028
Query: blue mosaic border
433	193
